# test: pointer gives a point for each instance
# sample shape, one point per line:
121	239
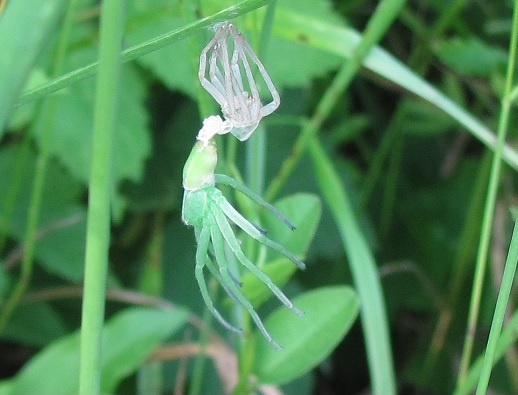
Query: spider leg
244	224
240	44
214	271
242	115
201	259
223	179
216	76
230	238
276	100
212	86
235	68
225	61
202	70
219	250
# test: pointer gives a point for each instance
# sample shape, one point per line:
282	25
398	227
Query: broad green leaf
172	64
128	338
25	31
4	284
36	324
6	386
304	211
61	226
471	56
72	125
257	292
329	312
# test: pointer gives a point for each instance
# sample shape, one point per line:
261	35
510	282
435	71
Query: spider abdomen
195	207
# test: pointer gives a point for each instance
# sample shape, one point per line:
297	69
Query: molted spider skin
220	74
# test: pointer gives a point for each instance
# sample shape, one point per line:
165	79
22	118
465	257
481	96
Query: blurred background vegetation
410	158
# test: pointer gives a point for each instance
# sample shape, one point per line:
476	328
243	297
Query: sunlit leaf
304	211
128	338
328	314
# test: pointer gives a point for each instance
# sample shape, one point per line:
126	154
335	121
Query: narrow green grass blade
143	49
98	221
342	41
487	220
25	30
507	338
363	267
498	318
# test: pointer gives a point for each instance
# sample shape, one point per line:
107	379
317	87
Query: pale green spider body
209	212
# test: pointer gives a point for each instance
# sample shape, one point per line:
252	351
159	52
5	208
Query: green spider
209	212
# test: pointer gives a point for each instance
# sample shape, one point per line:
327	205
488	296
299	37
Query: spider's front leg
231	240
218	243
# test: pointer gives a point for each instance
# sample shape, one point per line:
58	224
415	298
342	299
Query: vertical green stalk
45	126
498	318
487	220
98	219
364	270
256	147
151	280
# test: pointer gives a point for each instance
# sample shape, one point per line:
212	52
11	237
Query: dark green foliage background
419	213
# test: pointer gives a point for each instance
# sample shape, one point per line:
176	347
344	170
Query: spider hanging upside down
209	212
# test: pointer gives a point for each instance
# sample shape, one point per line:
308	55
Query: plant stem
98	219
364	270
143	49
498	318
487	219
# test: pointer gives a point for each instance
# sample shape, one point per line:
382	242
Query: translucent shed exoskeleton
226	71
211	215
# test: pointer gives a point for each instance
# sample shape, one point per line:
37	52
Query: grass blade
363	267
487	220
143	49
498	318
98	222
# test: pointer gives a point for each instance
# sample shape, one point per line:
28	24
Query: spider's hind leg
219	249
201	259
244	224
230	238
